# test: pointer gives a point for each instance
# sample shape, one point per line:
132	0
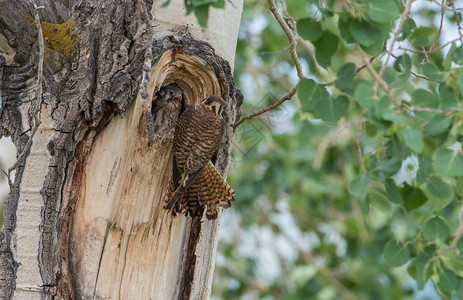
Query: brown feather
198	136
209	190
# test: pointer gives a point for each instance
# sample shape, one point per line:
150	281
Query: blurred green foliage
352	189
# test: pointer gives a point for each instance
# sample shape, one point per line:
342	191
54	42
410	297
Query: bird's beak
177	99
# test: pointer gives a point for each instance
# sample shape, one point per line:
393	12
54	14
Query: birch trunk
84	218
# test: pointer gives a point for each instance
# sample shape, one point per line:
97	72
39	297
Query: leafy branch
266	109
289	27
404	15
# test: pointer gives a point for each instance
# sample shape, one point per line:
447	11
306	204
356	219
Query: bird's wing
198	137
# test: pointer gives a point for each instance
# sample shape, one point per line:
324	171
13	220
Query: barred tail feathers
208	190
215	191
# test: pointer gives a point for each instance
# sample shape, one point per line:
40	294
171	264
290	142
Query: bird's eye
171	93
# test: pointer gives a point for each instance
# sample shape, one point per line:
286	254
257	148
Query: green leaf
438	188
395	253
202	14
370	129
382	11
436	229
425	168
393	191
219	4
201	2
374	49
448	282
396	148
378	199
448	162
363	33
453	262
295	8
422	36
407	29
359	186
325	47
420	267
306	89
331	109
460	244
309	30
437	126
460	186
384	106
447	96
413	138
439	192
390	165
403	63
447	63
413	197
345	76
460	83
457	55
364	95
343	25
424	98
431	71
397	118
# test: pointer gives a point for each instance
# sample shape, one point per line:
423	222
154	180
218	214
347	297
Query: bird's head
215	104
172	94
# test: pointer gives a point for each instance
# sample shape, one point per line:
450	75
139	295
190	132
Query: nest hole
189	72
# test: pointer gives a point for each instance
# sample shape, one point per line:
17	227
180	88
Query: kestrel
195	180
165	109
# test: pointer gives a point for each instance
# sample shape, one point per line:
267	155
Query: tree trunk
84	219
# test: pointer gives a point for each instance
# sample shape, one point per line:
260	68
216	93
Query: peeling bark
84	219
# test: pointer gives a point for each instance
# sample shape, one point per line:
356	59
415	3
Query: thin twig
434	50
425	53
458	20
289	96
266	109
440	26
377	77
291	37
419	75
396	35
359	68
446	7
413	72
38	103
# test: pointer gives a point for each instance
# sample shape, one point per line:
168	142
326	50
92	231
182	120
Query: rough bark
85	218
